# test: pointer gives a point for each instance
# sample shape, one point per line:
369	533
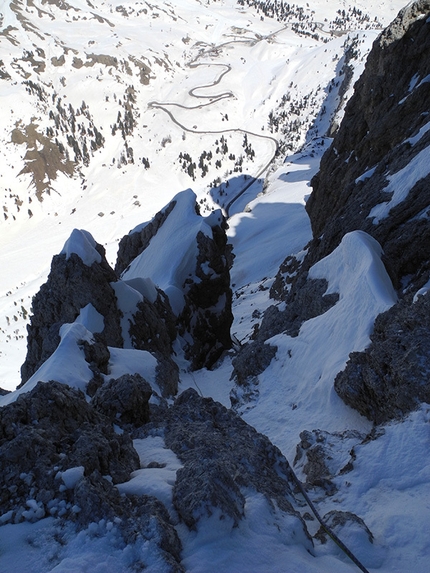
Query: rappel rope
326	528
314	510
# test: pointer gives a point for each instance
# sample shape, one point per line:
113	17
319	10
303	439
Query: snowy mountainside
91	119
122	450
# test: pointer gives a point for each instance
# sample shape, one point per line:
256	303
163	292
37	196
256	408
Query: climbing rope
324	525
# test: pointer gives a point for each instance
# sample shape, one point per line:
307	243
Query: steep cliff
374	179
375	175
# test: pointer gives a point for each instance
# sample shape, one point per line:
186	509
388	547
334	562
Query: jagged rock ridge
133	311
195	273
382	136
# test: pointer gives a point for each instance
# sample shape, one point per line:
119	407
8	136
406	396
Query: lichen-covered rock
124	399
222	456
391	377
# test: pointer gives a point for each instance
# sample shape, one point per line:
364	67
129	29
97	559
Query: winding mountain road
164	106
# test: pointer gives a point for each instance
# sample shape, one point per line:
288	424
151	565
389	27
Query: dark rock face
391	377
59	457
54	427
251	361
307	301
207	315
153	328
389	106
124	399
71	285
222	455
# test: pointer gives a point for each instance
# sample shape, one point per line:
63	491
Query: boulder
223	457
391	377
124	400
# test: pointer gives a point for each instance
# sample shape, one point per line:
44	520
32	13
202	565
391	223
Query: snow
71	476
422	291
158	474
389	485
367	175
131	361
401	183
82	244
416	138
176	239
145	286
66	365
90	319
305	366
42	547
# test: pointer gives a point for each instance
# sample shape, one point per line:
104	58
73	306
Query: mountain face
373	178
147	433
382	145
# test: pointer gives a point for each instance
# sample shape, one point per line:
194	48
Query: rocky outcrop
222	457
207	315
375	178
380	139
54	427
60	457
390	378
323	456
72	285
124	400
187	256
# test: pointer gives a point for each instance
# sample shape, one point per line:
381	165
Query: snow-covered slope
101	129
109	112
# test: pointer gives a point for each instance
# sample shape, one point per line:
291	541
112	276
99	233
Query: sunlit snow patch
305	366
401	183
82	244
